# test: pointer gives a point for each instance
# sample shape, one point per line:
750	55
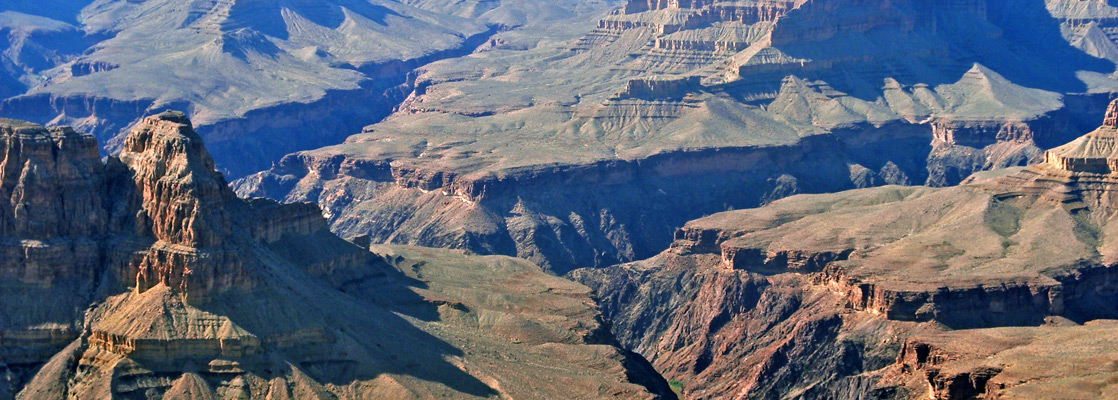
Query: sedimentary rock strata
694	107
260	80
146	277
1096	152
1056	360
895	292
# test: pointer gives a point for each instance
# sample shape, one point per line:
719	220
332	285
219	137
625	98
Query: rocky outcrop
162	217
731	333
53	213
180	192
52	181
1053	360
189	210
665	88
1096	152
164	284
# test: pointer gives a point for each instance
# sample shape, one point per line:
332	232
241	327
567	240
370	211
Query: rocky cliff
592	152
891	292
145	277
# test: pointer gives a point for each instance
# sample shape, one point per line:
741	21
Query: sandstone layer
145	277
893	292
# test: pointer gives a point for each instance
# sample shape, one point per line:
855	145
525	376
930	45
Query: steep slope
32	44
162	284
894	292
586	144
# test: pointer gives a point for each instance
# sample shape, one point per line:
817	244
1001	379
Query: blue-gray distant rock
587	142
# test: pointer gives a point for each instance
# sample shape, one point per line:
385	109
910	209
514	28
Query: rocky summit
998	288
145	277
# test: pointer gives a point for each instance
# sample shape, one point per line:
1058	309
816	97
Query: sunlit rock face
146	277
890	292
1095	152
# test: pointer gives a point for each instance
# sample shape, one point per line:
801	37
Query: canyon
258	79
752	199
145	277
536	130
591	148
972	291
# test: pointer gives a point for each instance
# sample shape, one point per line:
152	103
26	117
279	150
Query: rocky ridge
698	107
161	284
878	293
258	79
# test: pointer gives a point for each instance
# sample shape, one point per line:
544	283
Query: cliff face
886	292
50	177
163	284
532	213
54	210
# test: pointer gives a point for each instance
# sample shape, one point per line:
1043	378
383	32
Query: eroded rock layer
891	292
696	107
145	277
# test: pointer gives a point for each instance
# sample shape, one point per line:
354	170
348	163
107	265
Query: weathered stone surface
1057	360
50	180
893	292
169	286
1095	152
180	192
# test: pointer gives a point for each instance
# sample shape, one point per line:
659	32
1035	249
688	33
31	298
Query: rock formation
688	108
146	277
1095	152
895	292
525	93
260	79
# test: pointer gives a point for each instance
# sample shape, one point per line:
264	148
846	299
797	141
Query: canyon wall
890	292
163	284
594	153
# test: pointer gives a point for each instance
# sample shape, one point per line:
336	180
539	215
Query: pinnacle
1111	119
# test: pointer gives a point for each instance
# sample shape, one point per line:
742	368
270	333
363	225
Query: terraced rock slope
587	144
1002	287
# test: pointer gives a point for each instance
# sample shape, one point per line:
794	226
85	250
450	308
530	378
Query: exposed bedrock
597	214
145	277
996	288
726	333
562	217
803	323
1056	360
74	229
878	293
